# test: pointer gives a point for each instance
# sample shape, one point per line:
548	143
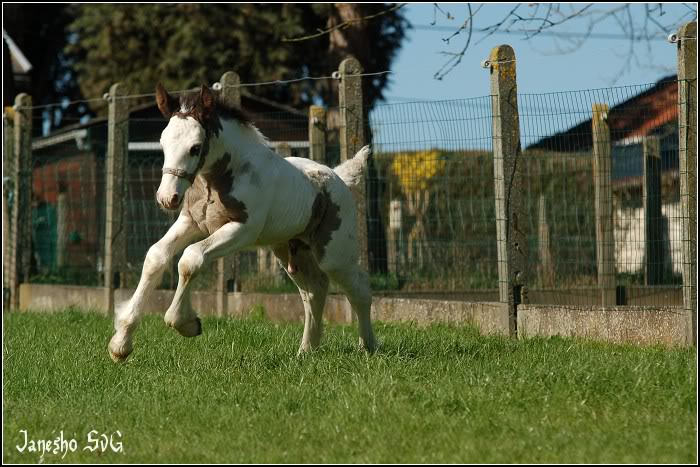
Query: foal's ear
207	99
167	104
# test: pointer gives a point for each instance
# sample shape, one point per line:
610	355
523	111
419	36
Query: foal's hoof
191	328
120	348
370	346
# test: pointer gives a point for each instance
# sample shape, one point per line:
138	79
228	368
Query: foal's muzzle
171	191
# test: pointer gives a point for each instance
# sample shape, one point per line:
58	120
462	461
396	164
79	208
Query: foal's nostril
173	200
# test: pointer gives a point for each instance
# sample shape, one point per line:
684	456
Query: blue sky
598	63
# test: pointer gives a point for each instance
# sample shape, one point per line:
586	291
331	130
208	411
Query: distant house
69	165
653	112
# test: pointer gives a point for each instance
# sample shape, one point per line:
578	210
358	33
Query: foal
234	192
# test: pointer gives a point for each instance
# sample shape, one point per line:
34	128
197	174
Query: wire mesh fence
67	221
430	196
431	226
558	139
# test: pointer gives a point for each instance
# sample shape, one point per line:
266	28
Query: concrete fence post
284	150
545	246
602	179
395	259
317	134
18	187
61	228
8	190
352	139
653	220
21	179
116	167
511	222
688	170
24	166
227	268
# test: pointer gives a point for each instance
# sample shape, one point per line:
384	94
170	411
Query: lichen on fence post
687	152
511	224
352	139
115	192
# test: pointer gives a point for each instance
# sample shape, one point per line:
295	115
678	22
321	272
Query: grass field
238	393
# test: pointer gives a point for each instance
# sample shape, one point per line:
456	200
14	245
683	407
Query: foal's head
185	141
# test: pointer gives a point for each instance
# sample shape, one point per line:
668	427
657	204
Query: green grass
238	393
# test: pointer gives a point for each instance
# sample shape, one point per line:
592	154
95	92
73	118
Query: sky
600	62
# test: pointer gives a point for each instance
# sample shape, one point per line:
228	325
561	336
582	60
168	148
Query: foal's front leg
227	240
127	316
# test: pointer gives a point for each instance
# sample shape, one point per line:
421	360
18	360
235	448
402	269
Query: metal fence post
226	267
508	182
602	179
22	212
317	134
653	220
352	138
115	192
688	170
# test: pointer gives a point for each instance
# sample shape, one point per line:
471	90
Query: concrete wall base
628	324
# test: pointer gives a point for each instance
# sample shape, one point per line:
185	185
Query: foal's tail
352	171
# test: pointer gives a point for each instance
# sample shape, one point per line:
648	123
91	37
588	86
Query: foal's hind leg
355	283
313	287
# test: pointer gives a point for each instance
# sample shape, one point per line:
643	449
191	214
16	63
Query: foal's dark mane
190	100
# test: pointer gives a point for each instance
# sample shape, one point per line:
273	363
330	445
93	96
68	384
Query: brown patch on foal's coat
327	223
324	220
211	203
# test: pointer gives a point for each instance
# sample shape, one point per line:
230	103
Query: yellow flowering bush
416	170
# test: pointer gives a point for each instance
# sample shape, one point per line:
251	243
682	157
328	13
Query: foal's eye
194	151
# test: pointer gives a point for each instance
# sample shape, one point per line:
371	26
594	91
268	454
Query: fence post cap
688	30
501	53
230	77
502	61
22	99
117	89
350	66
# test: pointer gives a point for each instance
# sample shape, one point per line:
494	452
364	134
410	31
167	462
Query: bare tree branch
344	24
456	59
554	16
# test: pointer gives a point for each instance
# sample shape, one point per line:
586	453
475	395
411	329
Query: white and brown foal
233	193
